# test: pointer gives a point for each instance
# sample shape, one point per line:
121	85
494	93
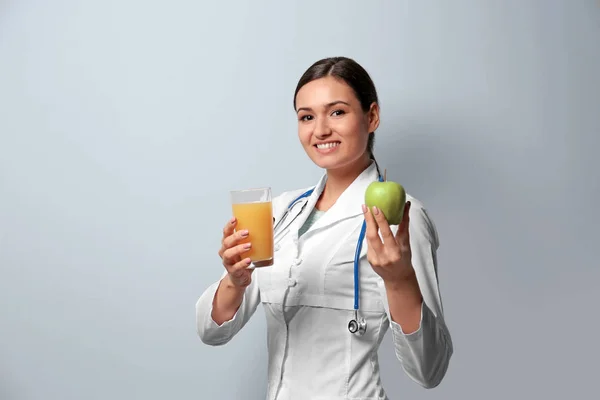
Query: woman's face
332	127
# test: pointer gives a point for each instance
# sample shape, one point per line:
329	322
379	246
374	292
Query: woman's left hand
390	258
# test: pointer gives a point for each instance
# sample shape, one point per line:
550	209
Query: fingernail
364	208
232	220
247	245
244	233
375	210
247	261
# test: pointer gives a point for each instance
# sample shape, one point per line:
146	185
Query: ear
373	117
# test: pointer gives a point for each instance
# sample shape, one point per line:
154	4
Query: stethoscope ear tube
289	208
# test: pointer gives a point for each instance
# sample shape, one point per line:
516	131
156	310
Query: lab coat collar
350	202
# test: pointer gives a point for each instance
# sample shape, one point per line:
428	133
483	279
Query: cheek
303	135
353	129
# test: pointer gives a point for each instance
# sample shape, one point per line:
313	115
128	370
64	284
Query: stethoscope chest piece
357	325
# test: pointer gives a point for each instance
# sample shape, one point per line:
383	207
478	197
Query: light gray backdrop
123	124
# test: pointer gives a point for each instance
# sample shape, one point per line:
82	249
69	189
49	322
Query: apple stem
385	175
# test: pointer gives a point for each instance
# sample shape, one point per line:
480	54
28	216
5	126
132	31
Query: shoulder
420	221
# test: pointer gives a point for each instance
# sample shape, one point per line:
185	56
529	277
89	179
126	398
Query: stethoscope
357	325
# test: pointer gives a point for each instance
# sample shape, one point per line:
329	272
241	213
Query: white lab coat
308	299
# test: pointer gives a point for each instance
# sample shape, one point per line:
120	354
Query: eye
306	118
337	113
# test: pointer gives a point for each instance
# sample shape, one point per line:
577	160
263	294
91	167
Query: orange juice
257	218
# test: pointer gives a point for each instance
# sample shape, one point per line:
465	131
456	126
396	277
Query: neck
338	180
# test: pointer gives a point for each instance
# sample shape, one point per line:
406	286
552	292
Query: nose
322	129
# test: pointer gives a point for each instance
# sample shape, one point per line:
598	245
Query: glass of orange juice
254	211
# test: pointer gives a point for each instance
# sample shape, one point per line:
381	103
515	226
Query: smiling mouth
323	146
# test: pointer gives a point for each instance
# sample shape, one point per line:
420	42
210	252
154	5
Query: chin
330	162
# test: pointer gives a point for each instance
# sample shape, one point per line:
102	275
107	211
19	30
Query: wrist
408	282
228	282
405	302
406	290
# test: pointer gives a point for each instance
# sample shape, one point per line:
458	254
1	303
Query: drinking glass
254	211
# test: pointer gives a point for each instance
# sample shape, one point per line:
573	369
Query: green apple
389	197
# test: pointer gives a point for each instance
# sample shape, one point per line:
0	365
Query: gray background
123	124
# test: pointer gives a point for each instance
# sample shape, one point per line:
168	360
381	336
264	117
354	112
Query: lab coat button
291	282
277	247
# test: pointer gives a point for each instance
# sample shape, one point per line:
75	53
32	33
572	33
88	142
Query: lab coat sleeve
214	334
424	354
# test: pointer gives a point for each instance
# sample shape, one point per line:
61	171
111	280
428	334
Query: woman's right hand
231	251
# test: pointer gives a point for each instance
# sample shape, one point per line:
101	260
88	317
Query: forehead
323	91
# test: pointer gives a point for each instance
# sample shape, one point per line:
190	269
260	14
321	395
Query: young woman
309	294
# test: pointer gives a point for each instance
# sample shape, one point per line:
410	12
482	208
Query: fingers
228	229
384	228
372	232
240	268
239	273
230	251
233	254
402	236
234	239
242	264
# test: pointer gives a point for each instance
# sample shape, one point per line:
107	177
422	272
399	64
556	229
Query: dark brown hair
354	75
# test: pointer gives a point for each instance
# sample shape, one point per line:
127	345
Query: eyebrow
333	103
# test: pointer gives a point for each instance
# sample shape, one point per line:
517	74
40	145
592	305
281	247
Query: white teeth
327	145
